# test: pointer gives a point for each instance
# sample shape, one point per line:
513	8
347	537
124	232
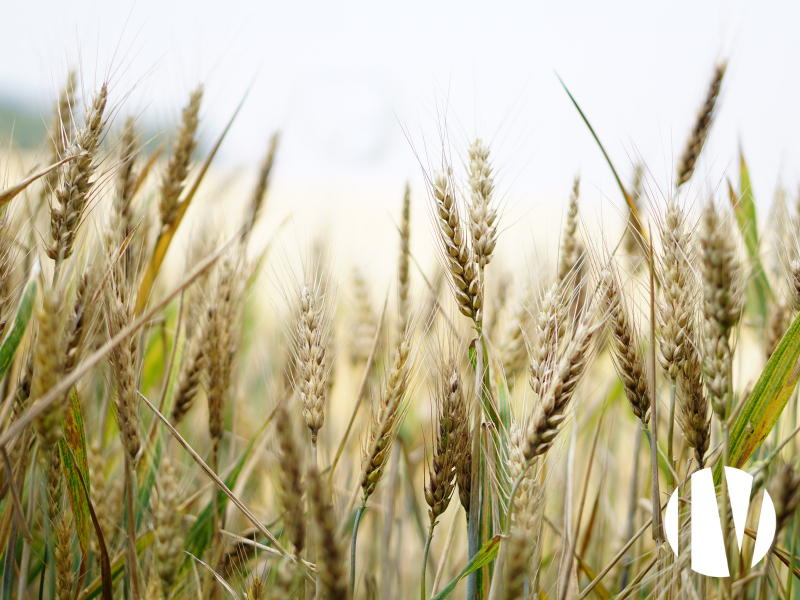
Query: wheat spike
483	216
312	336
547	327
65	579
675	305
627	349
387	417
512	343
48	365
167	524
549	412
178	168
522	544
291	475
692	411
459	258
705	118
721	305
403	273
61	129
451	440
119	314
569	254
221	343
262	185
189	378
330	557
72	196
366	321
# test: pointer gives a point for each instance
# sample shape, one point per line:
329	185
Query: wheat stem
130	489
424	561
670	434
359	514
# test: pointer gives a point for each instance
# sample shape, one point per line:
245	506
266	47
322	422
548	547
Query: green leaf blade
770	395
486	555
21	320
75	437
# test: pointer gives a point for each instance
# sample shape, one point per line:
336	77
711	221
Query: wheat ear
627	348
705	118
458	255
262	185
65	579
221	344
61	129
178	167
330	557
569	253
543	351
403	264
387	417
692	403
291	476
549	412
785	494
72	196
167	518
48	365
192	369
522	544
451	442
312	336
482	215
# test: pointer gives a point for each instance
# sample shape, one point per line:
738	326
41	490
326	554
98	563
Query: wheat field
197	405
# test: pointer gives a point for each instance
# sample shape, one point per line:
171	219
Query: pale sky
346	82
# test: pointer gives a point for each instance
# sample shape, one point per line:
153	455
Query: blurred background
367	94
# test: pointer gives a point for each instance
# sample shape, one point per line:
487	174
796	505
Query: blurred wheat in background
197	403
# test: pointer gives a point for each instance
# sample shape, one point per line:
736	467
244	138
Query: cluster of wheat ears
112	368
